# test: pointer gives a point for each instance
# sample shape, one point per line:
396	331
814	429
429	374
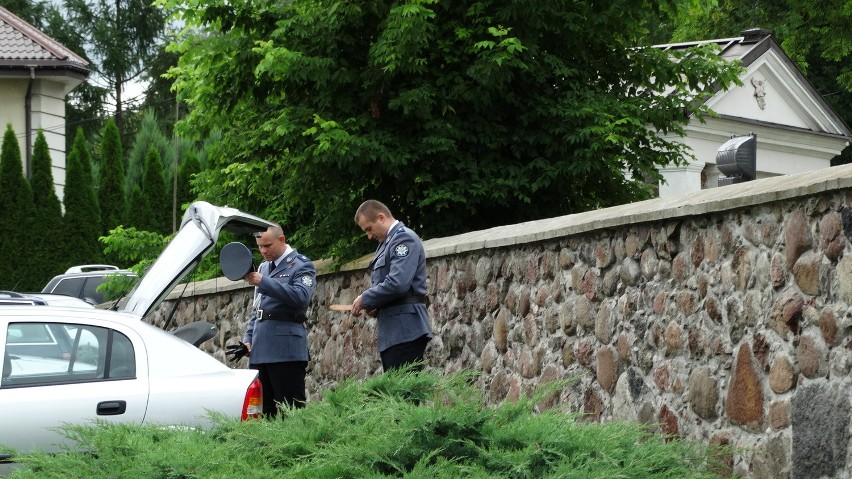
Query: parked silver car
74	365
84	281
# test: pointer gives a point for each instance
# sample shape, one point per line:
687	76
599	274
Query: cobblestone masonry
723	317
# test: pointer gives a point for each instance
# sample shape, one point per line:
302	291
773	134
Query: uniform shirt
286	290
398	270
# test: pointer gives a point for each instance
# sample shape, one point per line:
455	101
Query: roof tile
21	41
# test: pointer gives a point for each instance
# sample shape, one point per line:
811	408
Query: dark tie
271	267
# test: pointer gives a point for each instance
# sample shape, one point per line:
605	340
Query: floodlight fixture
737	160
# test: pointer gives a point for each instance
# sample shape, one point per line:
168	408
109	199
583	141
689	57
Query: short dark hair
370	209
274	227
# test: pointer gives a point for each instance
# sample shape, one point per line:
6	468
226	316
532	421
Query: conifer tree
16	213
137	207
111	194
82	219
188	167
158	217
149	136
48	214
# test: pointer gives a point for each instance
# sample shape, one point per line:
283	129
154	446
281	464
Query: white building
36	74
796	129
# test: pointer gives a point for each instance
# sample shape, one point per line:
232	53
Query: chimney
754	35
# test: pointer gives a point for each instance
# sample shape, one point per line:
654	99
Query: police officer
397	296
276	336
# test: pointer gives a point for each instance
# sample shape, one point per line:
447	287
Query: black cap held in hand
236	261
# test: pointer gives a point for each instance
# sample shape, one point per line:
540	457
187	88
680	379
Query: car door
99	373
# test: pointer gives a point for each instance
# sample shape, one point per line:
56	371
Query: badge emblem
307	281
401	250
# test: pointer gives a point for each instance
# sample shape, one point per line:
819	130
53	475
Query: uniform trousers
402	354
282	383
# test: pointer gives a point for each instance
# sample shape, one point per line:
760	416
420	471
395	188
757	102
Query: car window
90	288
28	333
69	286
55	353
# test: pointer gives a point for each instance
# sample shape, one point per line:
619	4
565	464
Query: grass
411	425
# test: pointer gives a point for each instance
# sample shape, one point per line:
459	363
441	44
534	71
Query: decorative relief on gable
759	85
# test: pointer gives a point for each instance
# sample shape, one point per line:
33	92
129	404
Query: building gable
774	91
796	129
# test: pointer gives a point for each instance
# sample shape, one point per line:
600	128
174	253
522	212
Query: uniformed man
276	336
397	297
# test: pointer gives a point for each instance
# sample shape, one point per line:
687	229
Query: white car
75	365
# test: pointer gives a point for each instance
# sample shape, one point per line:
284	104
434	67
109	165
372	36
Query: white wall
48	114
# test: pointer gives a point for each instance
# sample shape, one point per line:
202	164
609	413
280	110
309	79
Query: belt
409	299
280	315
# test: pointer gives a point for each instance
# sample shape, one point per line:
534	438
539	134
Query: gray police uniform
276	329
398	291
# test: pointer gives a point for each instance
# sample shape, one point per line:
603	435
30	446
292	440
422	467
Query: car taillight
253	405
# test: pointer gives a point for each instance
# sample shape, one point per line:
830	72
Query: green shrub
414	425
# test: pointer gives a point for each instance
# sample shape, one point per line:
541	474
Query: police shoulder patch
307	281
401	250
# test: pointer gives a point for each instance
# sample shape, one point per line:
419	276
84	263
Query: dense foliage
82	220
396	425
189	167
16	211
153	212
122	38
45	257
111	178
460	116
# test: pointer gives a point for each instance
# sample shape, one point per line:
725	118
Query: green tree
137	209
82	220
149	136
189	167
159	97
121	37
16	210
46	258
111	191
33	12
158	211
460	116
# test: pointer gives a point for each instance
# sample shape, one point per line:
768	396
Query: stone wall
722	316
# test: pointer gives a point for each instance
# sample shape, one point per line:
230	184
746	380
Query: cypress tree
111	191
16	213
156	195
48	213
82	219
149	135
189	166
137	208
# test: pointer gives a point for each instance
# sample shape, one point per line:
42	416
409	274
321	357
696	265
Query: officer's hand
235	352
253	278
357	306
